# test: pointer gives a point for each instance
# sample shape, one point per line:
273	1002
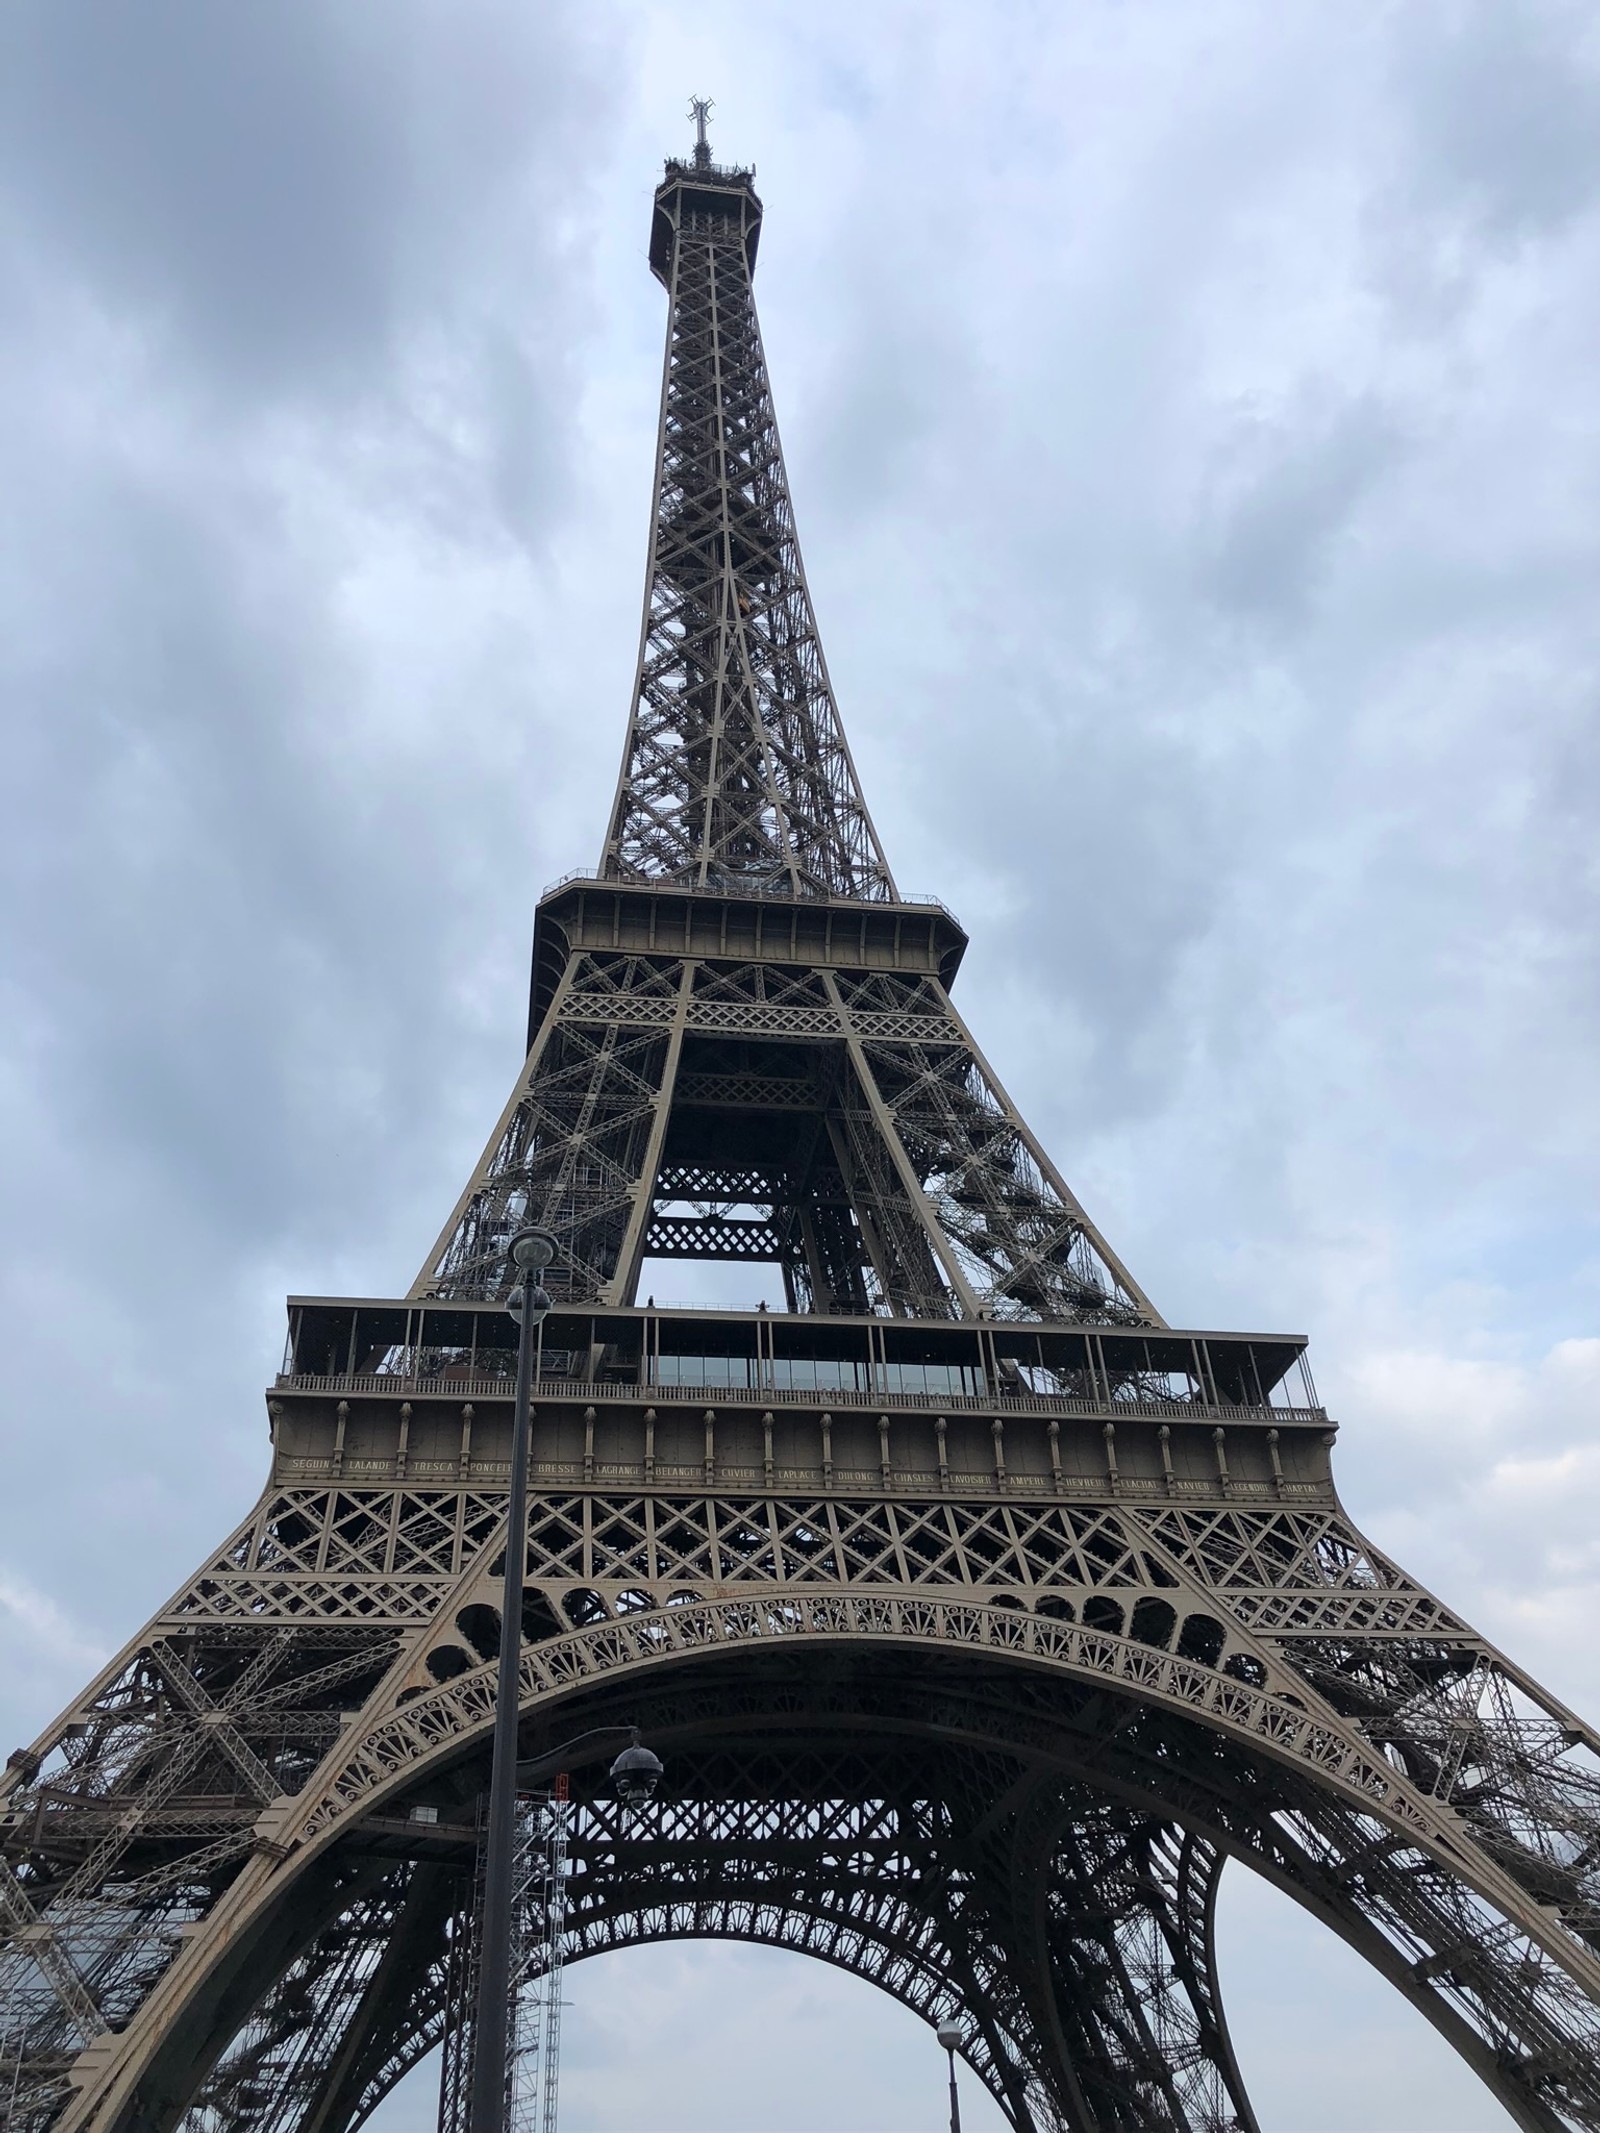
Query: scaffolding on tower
544	1821
539	1917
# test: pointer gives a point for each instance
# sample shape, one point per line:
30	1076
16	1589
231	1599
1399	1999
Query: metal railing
785	894
831	1398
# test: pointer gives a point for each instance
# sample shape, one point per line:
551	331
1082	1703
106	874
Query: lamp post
951	2037
635	1772
531	1252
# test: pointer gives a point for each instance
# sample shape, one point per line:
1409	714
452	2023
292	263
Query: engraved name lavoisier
979	1614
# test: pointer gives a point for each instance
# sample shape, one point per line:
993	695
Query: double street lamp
635	1773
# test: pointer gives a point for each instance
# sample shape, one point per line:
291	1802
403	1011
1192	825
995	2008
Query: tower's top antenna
700	108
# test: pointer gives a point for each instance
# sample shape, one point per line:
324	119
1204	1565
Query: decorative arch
1256	1770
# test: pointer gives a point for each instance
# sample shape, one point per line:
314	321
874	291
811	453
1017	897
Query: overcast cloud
1191	413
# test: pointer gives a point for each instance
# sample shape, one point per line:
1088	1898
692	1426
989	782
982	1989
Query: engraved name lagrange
979	1615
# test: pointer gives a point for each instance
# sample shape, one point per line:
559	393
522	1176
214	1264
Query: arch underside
1040	1852
1051	1779
1070	1931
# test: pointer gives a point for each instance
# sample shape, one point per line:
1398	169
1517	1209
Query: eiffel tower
979	1615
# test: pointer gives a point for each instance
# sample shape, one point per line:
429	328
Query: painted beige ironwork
979	1615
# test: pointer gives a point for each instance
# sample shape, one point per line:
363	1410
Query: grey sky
1192	420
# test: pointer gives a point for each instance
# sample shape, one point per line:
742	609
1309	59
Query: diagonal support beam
44	1947
624	1283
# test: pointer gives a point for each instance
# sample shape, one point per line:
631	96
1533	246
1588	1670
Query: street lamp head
531	1306
636	1773
950	2034
532	1250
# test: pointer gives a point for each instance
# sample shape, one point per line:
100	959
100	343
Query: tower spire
700	109
736	770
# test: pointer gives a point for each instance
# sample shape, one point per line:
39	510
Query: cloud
44	1653
1190	418
1282	493
1504	110
1483	1477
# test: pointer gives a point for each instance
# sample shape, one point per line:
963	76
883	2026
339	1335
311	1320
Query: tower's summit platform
690	195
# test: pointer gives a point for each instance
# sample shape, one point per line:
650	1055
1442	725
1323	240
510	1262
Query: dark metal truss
882	1166
353	2013
1052	1869
736	769
928	1894
840	1124
920	1895
986	1747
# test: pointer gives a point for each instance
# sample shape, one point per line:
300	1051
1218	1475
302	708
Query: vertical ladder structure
544	1820
533	2061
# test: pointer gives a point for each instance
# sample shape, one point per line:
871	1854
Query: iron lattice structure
543	1836
979	1614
